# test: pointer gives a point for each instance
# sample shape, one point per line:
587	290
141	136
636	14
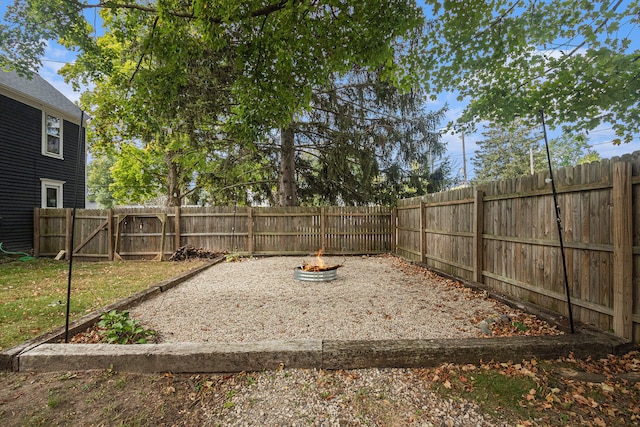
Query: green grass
499	395
33	294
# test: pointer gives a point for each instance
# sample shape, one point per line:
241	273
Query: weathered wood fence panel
504	235
217	228
154	233
286	230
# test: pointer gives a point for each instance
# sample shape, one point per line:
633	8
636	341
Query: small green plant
250	380
119	328
54	399
228	404
233	257
521	326
363	393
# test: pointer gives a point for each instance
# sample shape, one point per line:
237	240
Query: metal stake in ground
73	223
558	221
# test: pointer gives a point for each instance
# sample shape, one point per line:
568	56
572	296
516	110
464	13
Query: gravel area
380	297
366	397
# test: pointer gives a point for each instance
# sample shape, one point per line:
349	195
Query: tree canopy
282	48
574	59
512	151
578	60
200	85
175	77
364	141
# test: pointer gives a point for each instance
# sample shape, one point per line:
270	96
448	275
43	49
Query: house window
52	136
51	193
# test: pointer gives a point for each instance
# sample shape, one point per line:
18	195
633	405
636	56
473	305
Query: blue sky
56	56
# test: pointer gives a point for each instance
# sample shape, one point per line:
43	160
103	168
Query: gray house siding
22	166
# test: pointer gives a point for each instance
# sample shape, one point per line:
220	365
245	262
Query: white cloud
56	57
560	53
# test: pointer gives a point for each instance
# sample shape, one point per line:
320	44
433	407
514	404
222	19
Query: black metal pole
558	221
73	223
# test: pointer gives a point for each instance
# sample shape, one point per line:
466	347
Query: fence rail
504	235
134	233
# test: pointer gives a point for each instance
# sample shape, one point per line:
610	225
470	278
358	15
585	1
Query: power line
57	62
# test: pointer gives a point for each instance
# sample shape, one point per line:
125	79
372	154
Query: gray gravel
258	299
381	397
373	298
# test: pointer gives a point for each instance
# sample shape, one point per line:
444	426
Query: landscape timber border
47	354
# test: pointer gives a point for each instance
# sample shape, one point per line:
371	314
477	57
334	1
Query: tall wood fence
504	235
136	233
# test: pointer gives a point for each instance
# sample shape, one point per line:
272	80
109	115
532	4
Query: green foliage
571	58
121	329
186	84
521	326
571	150
505	152
364	141
233	257
99	180
54	399
138	175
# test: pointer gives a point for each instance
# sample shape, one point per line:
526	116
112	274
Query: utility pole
531	159
464	160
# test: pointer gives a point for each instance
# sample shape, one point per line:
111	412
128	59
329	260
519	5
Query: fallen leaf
607	388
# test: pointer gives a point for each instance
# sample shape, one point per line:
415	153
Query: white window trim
46	113
51	183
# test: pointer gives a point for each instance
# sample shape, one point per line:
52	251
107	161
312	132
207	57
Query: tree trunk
174	195
287	183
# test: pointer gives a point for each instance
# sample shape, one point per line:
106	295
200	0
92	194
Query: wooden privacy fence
504	235
135	233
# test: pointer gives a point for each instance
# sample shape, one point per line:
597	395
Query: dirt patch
445	395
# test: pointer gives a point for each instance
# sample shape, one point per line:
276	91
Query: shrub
119	328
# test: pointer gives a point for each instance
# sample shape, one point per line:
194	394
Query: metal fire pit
315	276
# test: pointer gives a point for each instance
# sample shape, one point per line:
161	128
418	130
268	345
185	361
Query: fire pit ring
315	276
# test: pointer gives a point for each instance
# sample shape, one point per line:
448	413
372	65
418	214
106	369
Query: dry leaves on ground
567	391
519	322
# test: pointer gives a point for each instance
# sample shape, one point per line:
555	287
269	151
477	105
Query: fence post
478	229
422	228
36	232
394	230
176	226
322	228
622	250
249	230
110	234
68	244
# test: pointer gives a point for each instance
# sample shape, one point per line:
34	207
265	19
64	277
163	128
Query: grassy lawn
33	294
